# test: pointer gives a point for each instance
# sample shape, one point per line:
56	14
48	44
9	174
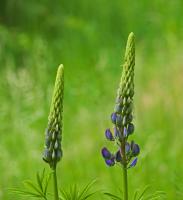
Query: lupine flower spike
122	117
53	152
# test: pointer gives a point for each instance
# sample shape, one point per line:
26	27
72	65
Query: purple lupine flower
135	149
109	135
113	118
116	132
130	129
110	162
127	147
106	153
133	163
118	156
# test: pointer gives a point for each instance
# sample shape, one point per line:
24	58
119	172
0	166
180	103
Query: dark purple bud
133	163
117	133
59	155
127	147
113	118
106	153
135	149
130	129
110	162
118	108
119	120
109	135
125	132
118	156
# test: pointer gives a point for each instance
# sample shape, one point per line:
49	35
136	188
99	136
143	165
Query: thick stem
55	183
125	183
125	175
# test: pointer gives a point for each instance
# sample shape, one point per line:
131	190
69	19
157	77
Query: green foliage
74	193
143	195
35	190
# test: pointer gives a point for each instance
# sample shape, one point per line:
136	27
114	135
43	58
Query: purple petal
113	118
125	133
118	156
109	135
133	163
131	129
110	162
106	153
117	133
135	149
127	147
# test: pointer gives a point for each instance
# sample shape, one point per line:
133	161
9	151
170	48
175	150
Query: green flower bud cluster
53	152
125	93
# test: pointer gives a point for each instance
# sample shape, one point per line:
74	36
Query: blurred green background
89	38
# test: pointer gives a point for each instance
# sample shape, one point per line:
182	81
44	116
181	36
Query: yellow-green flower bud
53	152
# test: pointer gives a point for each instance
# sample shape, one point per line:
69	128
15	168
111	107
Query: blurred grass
89	38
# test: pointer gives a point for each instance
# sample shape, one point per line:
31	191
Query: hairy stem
55	183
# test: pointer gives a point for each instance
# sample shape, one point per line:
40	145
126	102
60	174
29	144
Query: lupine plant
122	117
53	153
127	152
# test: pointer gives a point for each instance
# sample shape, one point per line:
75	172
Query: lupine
53	152
122	117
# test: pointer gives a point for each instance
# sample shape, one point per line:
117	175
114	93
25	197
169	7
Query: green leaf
25	193
46	184
143	192
39	181
135	195
156	195
85	190
113	196
74	193
34	187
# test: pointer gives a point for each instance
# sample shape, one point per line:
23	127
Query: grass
92	57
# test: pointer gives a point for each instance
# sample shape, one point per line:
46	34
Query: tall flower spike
122	116
53	152
126	87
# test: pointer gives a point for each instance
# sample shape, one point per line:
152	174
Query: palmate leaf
74	193
143	196
35	190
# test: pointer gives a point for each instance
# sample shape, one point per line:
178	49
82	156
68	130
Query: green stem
125	183
55	183
125	175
